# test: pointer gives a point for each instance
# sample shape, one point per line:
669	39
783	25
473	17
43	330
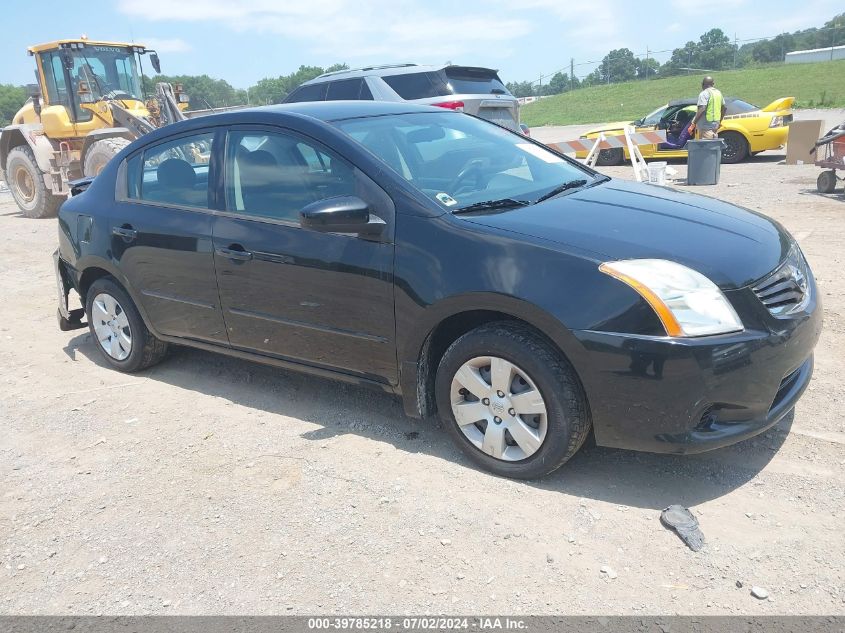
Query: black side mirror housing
341	214
154	60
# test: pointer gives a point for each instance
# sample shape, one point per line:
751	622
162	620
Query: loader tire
26	182
100	153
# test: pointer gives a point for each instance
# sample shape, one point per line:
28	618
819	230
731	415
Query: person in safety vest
711	110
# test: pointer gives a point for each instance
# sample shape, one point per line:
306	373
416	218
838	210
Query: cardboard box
802	138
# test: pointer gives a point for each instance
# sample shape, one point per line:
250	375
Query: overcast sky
244	40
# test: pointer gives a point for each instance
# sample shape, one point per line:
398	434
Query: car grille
787	290
787	119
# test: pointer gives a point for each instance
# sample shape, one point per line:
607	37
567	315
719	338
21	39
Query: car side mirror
154	60
342	214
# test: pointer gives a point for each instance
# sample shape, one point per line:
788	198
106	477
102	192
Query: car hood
626	220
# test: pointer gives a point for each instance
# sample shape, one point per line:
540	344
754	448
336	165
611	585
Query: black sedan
520	296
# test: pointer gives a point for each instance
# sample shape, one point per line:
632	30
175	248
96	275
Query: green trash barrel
705	157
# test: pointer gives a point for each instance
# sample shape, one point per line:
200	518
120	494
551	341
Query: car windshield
654	117
458	160
103	71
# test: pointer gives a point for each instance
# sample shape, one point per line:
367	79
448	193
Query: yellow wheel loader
87	105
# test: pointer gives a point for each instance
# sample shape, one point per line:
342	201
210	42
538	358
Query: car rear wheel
608	157
735	147
27	185
118	329
510	401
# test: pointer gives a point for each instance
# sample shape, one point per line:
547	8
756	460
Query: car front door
161	236
323	299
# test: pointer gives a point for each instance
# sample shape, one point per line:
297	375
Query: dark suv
522	297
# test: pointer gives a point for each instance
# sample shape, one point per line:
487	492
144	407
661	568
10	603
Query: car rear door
161	236
323	299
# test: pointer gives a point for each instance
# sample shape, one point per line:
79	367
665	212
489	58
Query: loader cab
77	74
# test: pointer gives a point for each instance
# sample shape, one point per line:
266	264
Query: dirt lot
211	485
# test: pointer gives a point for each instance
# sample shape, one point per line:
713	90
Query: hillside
813	85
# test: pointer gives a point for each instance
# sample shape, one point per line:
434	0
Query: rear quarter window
417	85
344	90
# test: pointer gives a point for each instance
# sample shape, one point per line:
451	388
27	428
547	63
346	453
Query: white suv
473	90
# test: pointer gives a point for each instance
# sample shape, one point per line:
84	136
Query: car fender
416	367
87	262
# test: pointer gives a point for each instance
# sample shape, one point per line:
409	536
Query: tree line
713	51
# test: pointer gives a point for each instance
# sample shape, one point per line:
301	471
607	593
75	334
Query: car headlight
687	302
777	121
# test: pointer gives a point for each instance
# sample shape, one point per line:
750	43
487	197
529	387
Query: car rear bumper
688	396
68	319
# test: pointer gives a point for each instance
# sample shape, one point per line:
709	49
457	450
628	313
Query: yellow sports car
746	130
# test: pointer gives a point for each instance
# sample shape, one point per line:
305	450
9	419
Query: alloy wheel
111	325
499	408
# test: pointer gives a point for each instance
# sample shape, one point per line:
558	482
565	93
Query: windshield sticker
540	153
446	199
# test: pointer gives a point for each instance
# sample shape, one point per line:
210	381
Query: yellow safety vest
714	106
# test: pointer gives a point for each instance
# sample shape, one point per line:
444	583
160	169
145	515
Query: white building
816	55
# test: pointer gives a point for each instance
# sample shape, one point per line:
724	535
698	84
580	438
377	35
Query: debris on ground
759	593
682	521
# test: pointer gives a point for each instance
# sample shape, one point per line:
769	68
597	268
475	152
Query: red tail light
450	105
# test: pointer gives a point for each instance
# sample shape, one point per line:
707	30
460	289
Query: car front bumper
667	395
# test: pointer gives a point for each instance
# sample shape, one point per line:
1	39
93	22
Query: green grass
818	85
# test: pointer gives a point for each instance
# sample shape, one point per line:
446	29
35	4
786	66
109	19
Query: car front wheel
510	401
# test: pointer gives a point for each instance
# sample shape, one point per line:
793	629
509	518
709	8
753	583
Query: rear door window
344	90
175	172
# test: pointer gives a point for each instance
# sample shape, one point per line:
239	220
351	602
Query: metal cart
830	156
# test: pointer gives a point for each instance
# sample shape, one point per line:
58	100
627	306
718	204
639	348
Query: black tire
608	157
146	349
100	153
735	149
26	182
568	418
826	182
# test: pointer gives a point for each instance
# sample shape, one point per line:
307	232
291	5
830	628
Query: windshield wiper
502	203
572	184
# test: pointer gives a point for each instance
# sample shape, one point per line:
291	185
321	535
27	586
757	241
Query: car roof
325	111
386	70
336	110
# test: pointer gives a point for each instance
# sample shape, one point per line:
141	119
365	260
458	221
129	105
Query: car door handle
126	232
236	254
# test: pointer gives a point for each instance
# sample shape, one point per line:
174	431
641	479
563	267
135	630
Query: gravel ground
211	485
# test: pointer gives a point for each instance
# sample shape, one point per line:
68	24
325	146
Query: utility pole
736	47
647	54
571	72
